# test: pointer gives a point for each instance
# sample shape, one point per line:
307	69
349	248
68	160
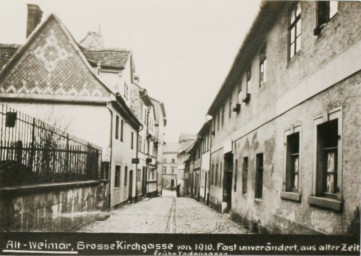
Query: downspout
136	165
111	153
210	160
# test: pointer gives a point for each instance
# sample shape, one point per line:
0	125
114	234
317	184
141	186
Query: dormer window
325	11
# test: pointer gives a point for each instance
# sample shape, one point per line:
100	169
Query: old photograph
180	117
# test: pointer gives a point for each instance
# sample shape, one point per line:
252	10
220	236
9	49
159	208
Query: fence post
67	155
19	151
32	153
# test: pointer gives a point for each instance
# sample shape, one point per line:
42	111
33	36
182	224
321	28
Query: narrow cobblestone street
166	214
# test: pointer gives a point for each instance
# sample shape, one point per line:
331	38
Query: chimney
34	18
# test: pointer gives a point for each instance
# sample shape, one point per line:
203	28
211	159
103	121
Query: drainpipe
111	153
136	165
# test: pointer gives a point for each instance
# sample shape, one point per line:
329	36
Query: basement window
244	175
294	30
259	176
325	11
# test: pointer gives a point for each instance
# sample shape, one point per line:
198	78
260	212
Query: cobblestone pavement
166	214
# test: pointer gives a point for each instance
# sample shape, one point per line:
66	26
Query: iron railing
32	151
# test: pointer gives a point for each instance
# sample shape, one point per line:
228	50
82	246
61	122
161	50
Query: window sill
292	196
258	200
326	203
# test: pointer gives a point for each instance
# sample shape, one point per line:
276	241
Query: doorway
144	181
172	184
227	180
130	185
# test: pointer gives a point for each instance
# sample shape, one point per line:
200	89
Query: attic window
325	11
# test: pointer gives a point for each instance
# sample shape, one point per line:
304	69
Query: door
144	181
227	180
130	185
172	184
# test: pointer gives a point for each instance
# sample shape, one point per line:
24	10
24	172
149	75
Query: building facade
285	140
170	165
86	91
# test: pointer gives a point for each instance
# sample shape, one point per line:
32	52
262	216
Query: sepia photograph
168	127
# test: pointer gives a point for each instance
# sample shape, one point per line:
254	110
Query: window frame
293	25
259	177
116	135
117	175
263	66
125	176
328	15
287	193
121	129
318	198
245	168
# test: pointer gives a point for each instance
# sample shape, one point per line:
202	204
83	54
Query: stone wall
53	207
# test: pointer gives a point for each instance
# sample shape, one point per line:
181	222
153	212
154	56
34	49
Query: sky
183	49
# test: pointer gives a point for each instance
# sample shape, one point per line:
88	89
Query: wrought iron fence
32	151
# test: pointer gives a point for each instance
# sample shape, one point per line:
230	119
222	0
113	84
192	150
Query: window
216	176
164	170
126	176
249	82
240	93
294	30
131	140
218	119
121	130
212	174
327	140
222	109
117	176
325	11
327	175
292	162
230	107
259	176
235	176
172	171
244	175
263	66
220	175
116	127
173	160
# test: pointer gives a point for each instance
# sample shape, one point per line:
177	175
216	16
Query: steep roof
107	58
6	52
51	66
186	137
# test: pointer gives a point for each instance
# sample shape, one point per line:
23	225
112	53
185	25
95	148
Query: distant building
170	165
